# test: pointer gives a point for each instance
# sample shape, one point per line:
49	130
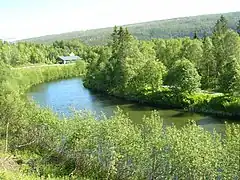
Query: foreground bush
114	148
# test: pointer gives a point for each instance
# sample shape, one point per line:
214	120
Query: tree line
184	64
22	53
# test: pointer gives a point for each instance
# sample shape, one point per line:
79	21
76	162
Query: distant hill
177	27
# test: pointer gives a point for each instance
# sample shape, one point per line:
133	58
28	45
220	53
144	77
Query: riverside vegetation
174	73
170	72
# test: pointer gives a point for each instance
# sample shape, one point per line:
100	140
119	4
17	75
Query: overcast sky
30	18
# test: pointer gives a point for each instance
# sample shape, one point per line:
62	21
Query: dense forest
182	73
171	28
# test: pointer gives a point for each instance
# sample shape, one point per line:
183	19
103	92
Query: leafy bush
183	77
116	149
228	104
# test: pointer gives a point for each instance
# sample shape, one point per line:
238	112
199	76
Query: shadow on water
182	114
140	107
106	100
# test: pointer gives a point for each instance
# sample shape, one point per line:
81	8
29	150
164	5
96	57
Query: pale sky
31	18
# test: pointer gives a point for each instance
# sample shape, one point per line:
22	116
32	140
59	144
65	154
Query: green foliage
231	45
150	77
167	51
97	69
221	26
226	47
6	175
21	118
114	72
207	68
184	77
228	76
22	53
225	105
125	61
192	50
116	149
229	80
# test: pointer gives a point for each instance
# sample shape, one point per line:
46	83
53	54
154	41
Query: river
63	96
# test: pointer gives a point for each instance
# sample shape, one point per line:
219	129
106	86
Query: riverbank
27	77
210	104
15	109
28	132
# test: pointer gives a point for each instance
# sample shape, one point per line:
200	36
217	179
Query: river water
63	96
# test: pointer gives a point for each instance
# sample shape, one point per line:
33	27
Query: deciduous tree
183	77
229	79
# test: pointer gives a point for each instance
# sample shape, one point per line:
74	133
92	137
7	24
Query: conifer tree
208	69
195	36
123	62
219	31
221	26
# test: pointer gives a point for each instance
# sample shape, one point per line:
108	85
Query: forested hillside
170	28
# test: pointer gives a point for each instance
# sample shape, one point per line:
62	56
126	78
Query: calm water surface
65	95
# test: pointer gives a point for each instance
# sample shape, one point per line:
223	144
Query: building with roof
67	59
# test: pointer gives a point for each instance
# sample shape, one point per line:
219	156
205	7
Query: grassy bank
211	104
217	105
83	148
